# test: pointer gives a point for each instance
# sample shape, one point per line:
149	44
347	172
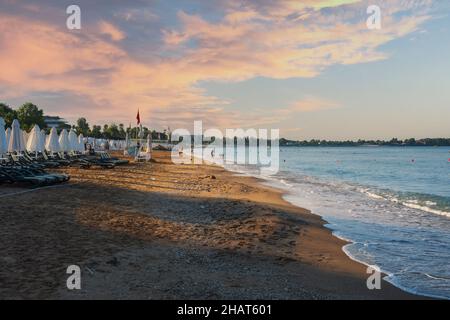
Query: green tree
135	134
111	131
105	132
29	115
82	127
122	133
146	131
410	142
7	113
165	135
96	131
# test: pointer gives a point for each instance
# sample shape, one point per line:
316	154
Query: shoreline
163	231
350	242
287	196
347	242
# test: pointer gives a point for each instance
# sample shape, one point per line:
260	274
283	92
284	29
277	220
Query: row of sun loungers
16	169
31	168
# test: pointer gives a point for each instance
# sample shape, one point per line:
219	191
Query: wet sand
163	231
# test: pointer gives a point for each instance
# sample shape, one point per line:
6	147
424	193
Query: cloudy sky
311	68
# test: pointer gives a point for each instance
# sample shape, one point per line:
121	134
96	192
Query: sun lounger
40	158
15	174
17	168
11	176
107	157
54	157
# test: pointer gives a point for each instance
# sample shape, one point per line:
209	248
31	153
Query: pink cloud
247	42
109	29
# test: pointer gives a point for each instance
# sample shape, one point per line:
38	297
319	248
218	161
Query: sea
391	203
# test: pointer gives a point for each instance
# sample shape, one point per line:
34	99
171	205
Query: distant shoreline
362	145
427	142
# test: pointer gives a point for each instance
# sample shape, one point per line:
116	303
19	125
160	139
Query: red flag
138	118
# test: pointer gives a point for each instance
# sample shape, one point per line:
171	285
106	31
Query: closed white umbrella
8	136
64	141
149	143
126	144
16	139
98	143
34	143
24	138
73	141
3	144
52	143
43	140
81	143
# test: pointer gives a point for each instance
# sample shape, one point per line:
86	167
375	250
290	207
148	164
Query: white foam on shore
426	209
390	277
280	183
392	280
371	194
413	204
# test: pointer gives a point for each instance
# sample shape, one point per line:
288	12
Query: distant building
55	122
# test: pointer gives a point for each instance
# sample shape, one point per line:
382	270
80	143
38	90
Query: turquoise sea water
392	203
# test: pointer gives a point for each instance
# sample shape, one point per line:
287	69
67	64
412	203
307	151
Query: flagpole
138	120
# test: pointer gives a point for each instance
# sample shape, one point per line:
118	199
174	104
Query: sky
311	68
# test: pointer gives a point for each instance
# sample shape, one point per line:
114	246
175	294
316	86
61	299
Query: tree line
349	143
116	131
29	115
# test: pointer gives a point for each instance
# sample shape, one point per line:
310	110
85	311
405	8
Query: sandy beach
163	231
